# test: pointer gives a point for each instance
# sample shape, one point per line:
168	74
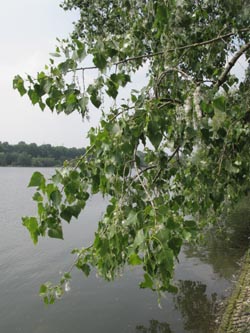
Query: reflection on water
154	327
197	307
198	310
222	250
225	244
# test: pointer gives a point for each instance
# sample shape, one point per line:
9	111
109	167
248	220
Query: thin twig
172	69
123	175
157	176
121	112
151	55
83	81
170	101
144	186
77	258
174	153
224	149
146	169
83	156
165	104
169	159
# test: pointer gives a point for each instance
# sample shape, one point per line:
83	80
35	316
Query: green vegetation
24	154
190	118
235	318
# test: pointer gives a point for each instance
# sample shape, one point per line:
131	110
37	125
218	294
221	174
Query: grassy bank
236	317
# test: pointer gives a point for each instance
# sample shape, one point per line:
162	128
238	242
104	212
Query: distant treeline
23	154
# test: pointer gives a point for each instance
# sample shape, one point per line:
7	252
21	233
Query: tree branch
174	153
151	55
172	69
141	181
139	173
231	63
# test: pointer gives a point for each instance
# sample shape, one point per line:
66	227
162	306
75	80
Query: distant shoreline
32	155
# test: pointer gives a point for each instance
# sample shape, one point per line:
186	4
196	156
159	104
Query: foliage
23	154
190	119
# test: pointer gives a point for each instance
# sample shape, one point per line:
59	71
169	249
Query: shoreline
236	315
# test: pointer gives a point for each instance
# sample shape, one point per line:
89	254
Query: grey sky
28	31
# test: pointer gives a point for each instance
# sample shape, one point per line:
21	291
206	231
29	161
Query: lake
203	276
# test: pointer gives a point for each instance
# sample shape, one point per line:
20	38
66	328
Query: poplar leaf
37	180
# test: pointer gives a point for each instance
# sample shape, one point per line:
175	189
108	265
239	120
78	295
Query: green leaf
172	289
120	79
55	54
85	268
132	218
93	90
154	134
147	283
163	236
32	225
43	290
49	189
57	178
162	14
18	84
56	233
34	96
37	180
83	102
56	197
124	79
95	99
134	259
42	105
50	102
99	60
175	244
67	276
140	238
219	103
218	119
37	197
68	212
38	88
71	99
112	88
190	224
46	300
67	65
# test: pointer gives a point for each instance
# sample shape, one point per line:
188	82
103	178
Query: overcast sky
28	31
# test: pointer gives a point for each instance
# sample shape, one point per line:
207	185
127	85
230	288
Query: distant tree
189	119
24	159
9	158
5	147
37	162
24	154
2	159
33	149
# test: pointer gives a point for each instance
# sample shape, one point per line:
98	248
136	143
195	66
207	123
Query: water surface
203	276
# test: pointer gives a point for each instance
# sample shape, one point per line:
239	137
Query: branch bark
231	63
